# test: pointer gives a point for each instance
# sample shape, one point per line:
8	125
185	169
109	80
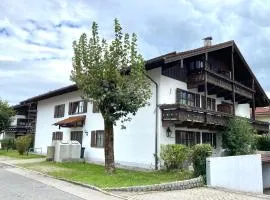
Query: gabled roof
168	58
52	93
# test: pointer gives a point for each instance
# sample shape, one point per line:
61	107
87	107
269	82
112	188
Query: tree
238	137
113	76
6	112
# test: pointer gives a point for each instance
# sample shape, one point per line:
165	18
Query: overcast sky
36	36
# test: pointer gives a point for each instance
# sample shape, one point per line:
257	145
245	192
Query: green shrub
262	142
8	143
23	143
199	154
239	137
174	155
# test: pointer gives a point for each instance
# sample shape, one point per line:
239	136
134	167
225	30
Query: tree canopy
238	138
111	74
6	112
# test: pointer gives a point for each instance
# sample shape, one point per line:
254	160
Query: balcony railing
194	80
178	114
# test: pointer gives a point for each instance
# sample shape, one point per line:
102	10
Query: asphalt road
17	187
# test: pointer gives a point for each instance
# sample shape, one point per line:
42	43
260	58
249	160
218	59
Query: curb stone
177	185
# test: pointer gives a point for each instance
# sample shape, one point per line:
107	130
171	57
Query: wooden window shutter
85	106
93	139
69	108
55	111
203	102
197	98
178	95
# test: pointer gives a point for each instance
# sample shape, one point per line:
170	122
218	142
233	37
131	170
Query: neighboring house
23	122
263	114
194	94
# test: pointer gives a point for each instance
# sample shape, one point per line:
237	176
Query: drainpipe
156	124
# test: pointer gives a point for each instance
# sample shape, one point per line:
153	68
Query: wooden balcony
219	81
193	117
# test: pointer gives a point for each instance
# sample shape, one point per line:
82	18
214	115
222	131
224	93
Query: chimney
207	41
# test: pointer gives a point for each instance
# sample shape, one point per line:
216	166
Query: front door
76	135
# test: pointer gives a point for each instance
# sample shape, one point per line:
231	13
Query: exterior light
168	132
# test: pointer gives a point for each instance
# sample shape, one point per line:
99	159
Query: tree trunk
109	147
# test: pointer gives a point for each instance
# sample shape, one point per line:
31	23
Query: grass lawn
15	154
94	174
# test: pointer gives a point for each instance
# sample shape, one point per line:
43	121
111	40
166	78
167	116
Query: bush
199	154
262	142
23	143
239	137
8	143
174	155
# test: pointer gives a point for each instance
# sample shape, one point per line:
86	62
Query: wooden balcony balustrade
221	81
178	114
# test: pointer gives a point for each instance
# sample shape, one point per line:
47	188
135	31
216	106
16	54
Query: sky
36	36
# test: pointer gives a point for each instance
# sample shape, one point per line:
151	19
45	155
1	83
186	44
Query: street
14	186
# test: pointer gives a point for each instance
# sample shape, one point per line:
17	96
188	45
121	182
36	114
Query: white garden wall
240	173
266	175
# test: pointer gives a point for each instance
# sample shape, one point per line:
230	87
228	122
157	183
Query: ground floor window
190	138
97	138
57	135
77	136
209	138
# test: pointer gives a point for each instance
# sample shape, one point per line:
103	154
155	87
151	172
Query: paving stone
202	193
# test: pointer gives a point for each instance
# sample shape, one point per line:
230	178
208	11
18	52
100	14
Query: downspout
156	124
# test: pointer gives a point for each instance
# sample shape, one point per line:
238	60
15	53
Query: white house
194	93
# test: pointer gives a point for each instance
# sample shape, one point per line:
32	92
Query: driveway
202	193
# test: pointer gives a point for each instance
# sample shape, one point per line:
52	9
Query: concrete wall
240	173
266	175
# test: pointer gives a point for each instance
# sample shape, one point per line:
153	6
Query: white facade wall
266	175
134	146
240	173
14	119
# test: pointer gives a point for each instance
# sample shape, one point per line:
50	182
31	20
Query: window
59	111
211	103
97	138
57	136
209	138
187	98
77	107
76	135
183	97
191	99
187	138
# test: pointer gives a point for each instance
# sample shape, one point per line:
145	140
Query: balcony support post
205	83
233	85
253	116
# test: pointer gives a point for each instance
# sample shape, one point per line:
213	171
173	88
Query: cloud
36	44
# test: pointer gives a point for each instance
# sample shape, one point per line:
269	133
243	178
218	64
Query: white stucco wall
242	110
266	175
134	146
240	173
14	119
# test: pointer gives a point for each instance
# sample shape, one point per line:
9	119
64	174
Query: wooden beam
233	83
205	82
253	101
